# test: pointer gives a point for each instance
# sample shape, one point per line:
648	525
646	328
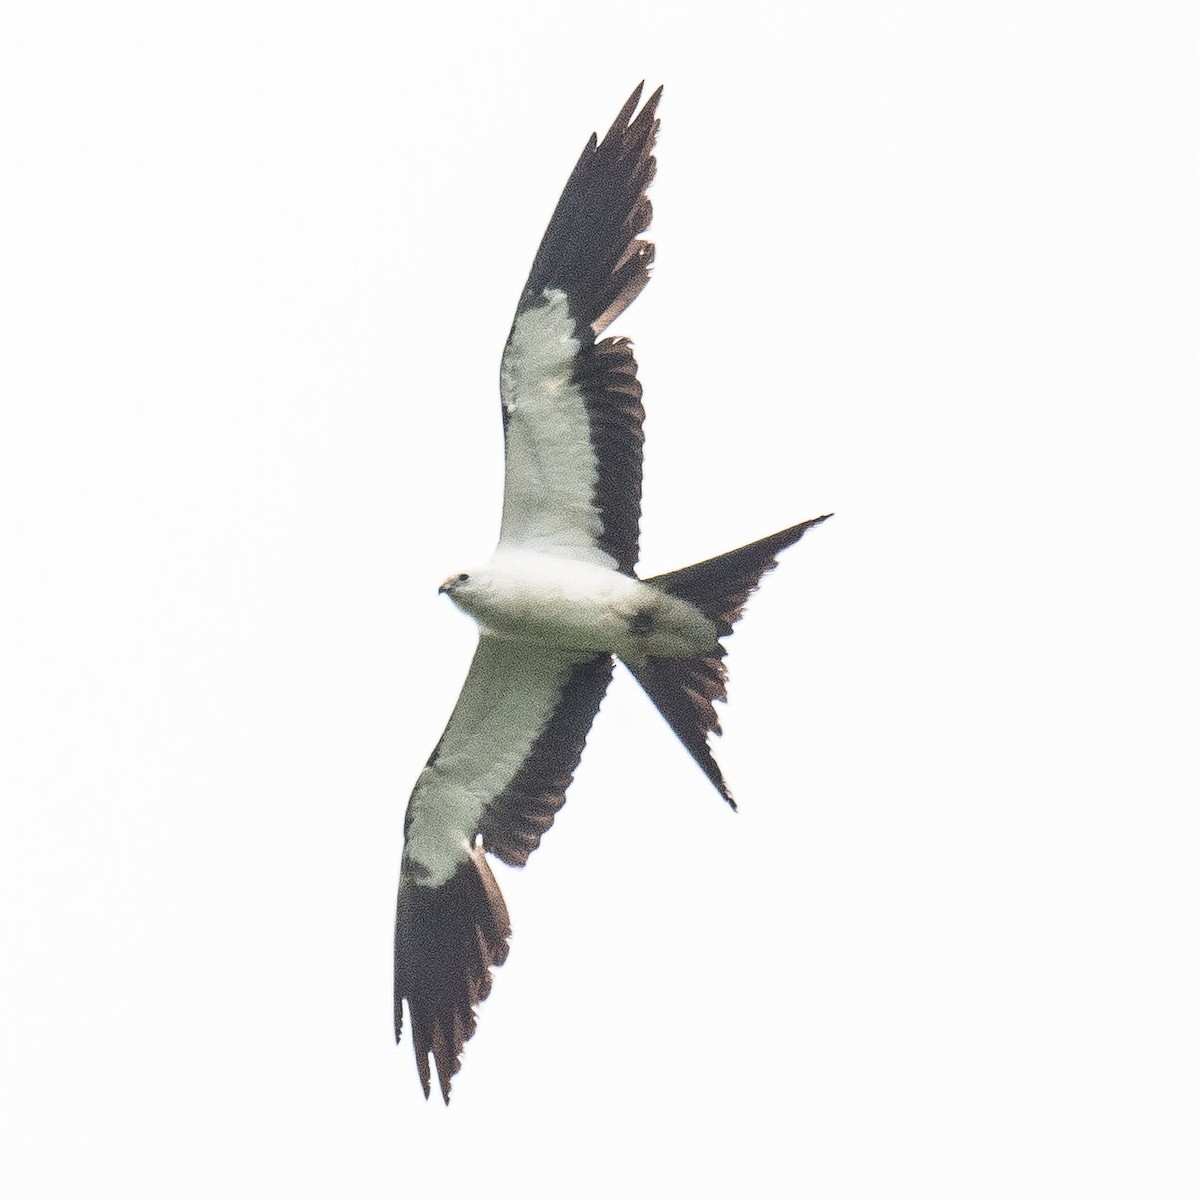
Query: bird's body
559	602
545	600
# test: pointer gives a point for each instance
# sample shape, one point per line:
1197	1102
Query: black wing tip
722	787
625	118
592	249
448	939
724	791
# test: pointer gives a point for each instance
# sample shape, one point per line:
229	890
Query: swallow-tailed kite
558	601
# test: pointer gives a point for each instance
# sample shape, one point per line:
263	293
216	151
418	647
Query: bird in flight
559	600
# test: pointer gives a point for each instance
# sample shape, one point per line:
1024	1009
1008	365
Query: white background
931	266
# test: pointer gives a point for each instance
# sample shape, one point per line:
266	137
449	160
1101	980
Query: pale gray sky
929	266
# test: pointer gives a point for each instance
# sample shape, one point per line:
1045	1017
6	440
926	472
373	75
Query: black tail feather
720	586
685	690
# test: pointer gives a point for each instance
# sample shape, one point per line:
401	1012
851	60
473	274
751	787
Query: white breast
551	601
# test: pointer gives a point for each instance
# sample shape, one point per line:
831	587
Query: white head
471	591
467	589
450	585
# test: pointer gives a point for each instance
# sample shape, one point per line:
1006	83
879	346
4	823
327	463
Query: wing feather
515	822
572	407
591	249
499	773
573	449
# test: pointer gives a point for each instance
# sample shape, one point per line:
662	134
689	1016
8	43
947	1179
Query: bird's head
453	583
468	590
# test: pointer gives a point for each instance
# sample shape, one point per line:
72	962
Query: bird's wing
572	406
499	774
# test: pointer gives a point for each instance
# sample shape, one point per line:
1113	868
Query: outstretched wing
571	405
499	774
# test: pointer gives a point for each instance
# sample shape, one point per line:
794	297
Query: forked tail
685	690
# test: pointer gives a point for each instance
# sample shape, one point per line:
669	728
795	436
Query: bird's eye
463	577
